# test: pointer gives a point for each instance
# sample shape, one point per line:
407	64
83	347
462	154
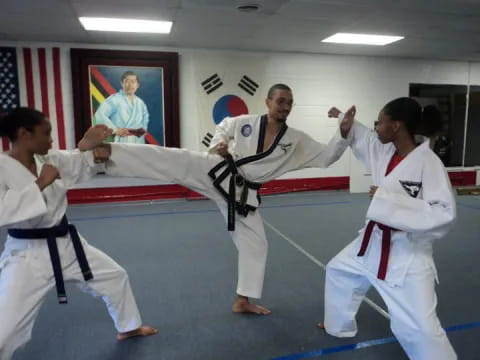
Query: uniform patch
246	130
412	187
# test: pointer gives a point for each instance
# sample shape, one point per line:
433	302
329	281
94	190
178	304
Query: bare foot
321	326
141	331
242	305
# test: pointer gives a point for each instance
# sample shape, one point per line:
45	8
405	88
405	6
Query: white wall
322	81
318	82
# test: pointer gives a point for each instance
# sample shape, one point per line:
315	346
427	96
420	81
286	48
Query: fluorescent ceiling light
126	25
363	39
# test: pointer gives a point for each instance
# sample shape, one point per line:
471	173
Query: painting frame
82	59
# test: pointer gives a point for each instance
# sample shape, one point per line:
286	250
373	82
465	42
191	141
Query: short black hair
275	87
129	73
21	117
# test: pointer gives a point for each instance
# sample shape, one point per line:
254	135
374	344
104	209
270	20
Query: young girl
42	249
412	205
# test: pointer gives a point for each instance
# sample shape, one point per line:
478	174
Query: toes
141	331
264	311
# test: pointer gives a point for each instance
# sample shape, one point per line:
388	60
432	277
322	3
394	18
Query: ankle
241	298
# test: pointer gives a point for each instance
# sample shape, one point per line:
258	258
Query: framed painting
133	92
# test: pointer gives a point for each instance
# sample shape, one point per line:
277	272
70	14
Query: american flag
34	77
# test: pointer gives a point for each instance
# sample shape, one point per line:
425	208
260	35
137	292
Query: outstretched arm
363	141
78	165
346	120
311	153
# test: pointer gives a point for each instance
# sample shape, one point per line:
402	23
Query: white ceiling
437	29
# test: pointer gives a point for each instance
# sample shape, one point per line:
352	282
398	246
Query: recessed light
362	39
126	25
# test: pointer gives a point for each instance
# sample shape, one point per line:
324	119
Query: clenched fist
221	149
48	175
333	112
94	137
102	153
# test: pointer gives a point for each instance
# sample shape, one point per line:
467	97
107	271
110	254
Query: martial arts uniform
26	273
412	206
232	183
117	111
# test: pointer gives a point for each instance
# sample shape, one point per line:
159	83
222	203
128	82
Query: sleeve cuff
88	157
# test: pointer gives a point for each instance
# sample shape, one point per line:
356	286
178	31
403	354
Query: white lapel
21	170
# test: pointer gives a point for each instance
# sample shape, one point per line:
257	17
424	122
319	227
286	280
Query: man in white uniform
124	112
246	151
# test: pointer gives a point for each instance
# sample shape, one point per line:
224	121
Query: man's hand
221	149
122	132
333	112
48	175
347	121
94	137
372	191
102	153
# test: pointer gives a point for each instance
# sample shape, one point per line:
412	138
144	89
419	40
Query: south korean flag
229	86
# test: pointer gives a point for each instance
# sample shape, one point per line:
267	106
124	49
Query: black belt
241	207
51	235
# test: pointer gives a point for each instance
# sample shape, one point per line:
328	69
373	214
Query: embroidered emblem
412	187
284	147
246	130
